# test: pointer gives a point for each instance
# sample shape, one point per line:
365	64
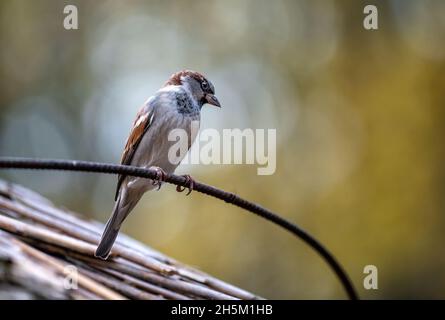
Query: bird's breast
167	140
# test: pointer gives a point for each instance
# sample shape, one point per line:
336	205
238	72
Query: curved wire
86	166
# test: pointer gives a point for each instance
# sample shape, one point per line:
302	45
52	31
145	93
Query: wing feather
143	120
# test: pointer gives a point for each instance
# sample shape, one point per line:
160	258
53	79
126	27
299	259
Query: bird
175	105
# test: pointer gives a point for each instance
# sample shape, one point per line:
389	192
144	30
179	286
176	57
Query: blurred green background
359	117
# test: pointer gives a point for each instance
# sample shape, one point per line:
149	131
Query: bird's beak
211	99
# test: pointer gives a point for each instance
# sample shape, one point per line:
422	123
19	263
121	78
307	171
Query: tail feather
110	233
106	242
125	202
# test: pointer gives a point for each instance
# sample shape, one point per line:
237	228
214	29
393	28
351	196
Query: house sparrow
174	106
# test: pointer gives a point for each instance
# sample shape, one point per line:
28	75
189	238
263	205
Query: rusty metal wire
86	166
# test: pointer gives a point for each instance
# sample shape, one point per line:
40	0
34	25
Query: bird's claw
190	184
160	177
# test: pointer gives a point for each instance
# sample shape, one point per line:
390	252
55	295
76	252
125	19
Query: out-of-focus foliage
359	117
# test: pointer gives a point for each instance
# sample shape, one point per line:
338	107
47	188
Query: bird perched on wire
175	106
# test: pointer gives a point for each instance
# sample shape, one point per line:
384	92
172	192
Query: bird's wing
144	119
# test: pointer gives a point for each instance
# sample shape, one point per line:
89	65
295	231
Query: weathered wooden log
47	253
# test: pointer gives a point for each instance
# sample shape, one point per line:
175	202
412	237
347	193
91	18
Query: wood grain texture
39	242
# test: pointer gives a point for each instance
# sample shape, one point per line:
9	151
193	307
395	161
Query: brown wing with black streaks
140	125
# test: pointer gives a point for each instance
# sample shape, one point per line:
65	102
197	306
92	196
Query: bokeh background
359	117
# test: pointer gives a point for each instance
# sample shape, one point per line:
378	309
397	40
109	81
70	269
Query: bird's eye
204	85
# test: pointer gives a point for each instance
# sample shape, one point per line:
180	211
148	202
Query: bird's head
199	87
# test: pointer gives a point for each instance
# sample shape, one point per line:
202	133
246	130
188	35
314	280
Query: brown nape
175	79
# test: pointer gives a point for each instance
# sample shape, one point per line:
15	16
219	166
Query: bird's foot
190	184
160	177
